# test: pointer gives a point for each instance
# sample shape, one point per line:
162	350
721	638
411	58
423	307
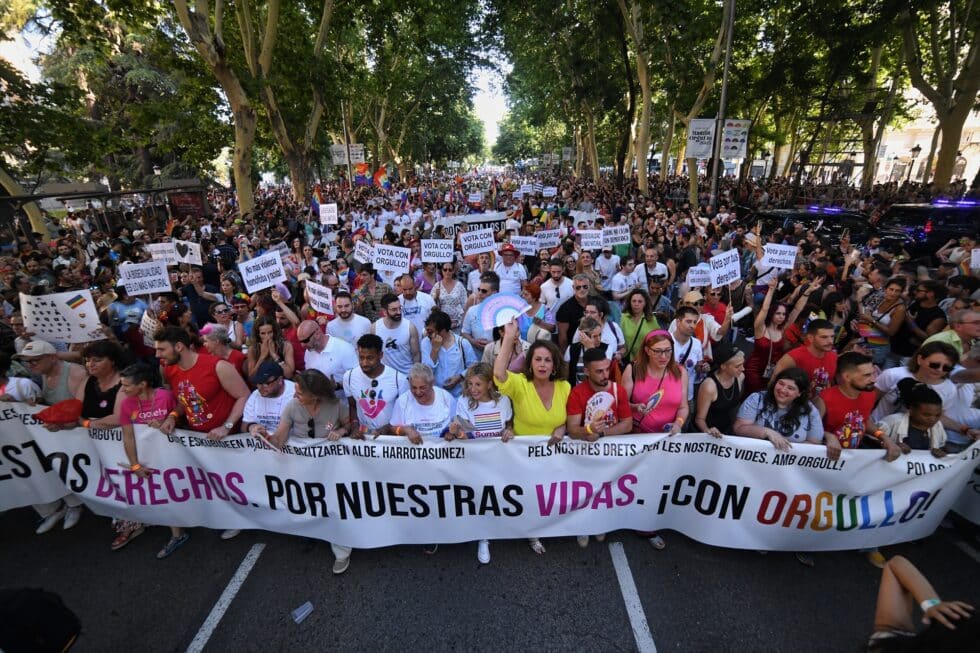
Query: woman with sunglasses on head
657	389
314	411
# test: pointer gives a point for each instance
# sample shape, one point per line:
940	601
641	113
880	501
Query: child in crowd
919	428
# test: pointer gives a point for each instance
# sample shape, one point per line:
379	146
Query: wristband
929	603
398	430
86	422
173	414
135	467
588	429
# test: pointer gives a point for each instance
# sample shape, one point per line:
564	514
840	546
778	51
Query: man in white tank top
401	339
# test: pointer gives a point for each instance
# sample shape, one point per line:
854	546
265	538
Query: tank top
96	402
846	417
765	352
59	392
872	334
199	392
397	350
721	411
665	395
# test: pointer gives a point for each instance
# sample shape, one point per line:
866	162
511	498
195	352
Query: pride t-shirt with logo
374	398
488	418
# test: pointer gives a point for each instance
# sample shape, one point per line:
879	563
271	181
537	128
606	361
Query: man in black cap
266	404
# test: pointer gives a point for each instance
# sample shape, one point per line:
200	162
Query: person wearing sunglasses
222	315
707	329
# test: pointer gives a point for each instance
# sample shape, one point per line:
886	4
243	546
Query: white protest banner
451	224
591	239
338	153
730	492
188	252
548	238
968	505
475	198
357	153
165	252
526	245
363	251
477	241
549	191
436	250
725	268
975	259
700	138
527	189
582	216
517	195
149	325
616	235
735	138
62	317
262	272
281	249
328	213
388	258
145	278
321	297
699	275
779	256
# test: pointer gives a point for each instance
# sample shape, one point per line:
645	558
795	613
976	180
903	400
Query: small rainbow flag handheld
75	301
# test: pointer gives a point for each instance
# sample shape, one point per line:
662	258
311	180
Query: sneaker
601	537
805	559
876	558
658	542
50	521
174	544
125	537
583	541
230	533
340	565
72	515
483	552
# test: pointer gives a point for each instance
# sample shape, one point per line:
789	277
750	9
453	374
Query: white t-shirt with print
430	421
374	398
488	418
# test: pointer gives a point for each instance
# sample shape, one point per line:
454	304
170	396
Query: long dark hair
558	372
647	304
800	407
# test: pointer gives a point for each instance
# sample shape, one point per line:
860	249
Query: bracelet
135	467
398	430
173	414
588	429
86	422
929	603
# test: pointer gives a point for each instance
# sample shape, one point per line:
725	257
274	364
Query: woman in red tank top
770	345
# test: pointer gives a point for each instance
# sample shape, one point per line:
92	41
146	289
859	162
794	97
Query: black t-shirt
917	439
571	312
904	343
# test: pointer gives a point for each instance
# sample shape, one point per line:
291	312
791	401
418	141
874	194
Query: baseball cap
267	371
508	248
36	348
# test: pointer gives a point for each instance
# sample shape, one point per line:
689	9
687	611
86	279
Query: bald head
310	335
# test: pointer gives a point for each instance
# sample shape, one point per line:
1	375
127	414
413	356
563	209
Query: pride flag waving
381	178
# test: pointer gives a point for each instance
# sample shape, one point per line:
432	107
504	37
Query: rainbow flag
75	301
362	174
316	200
381	178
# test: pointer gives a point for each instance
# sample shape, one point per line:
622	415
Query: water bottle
302	612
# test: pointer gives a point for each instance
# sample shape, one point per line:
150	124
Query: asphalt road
694	597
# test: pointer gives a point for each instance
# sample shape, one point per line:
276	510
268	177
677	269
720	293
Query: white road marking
634	608
219	609
968	550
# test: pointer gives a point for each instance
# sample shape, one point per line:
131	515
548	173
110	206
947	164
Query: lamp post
915	152
765	162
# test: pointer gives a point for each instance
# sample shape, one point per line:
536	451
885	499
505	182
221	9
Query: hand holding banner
321	297
725	268
188	252
145	278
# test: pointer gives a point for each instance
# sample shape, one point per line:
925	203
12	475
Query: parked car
829	223
930	226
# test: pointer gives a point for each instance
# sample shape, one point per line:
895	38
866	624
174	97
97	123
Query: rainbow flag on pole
362	174
381	178
316	200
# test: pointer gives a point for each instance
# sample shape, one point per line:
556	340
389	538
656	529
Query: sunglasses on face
937	366
585	287
483	291
222	311
305	340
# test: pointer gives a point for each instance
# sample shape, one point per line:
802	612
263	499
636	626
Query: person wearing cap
60	380
707	330
720	394
512	274
264	407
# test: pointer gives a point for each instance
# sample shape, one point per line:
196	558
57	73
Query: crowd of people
852	348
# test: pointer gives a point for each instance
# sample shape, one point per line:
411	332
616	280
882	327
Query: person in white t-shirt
687	348
265	405
330	355
425	411
512	274
13	388
347	325
473	279
416	305
372	387
557	289
607	265
625	280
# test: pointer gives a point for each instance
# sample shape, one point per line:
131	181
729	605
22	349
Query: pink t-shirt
133	411
664	396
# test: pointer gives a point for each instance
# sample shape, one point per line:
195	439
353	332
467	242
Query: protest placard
145	278
149	325
475	198
779	256
549	191
517	195
188	252
527	189
436	250
591	239
477	241
62	317
165	252
725	268
975	259
363	252
700	138
262	272
699	275
548	238
320	297
616	235
281	248
526	245
328	213
388	258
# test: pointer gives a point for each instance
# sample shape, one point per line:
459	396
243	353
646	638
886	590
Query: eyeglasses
700	302
311	426
31	362
662	352
935	366
715	294
483	291
222	311
585	287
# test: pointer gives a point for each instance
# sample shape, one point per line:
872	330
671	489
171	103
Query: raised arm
507	344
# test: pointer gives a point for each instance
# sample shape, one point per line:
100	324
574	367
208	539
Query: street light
915	152
765	162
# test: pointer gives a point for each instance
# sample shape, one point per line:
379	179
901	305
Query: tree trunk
591	145
579	151
932	155
299	174
951	126
692	181
32	210
242	161
667	144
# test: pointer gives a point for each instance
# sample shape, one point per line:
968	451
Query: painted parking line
634	608
968	550
221	606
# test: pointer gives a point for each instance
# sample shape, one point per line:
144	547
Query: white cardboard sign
526	245
62	317
975	259
388	258
363	252
616	235
475	198
591	239
262	272
320	297
725	268
549	191
477	241
437	250
145	278
549	238
165	252
699	275
188	252
328	213
779	256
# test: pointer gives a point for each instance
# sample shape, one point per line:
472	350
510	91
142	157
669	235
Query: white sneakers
72	515
340	565
483	552
230	533
51	520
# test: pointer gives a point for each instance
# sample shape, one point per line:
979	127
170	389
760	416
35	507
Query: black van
930	226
